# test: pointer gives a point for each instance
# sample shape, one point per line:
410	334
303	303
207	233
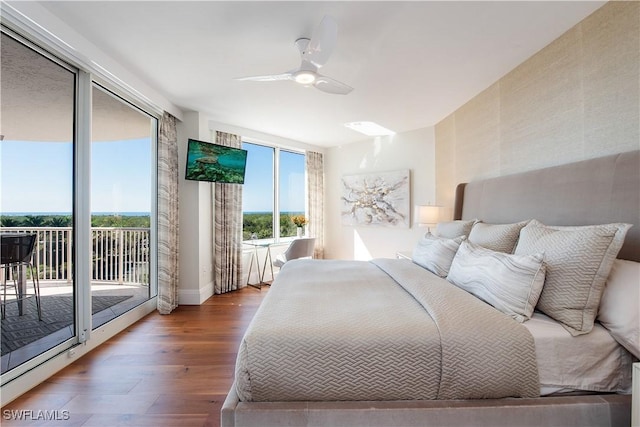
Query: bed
352	342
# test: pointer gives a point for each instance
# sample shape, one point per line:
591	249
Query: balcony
120	255
119	281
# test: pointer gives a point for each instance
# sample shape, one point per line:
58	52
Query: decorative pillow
436	253
578	262
497	237
510	283
620	305
453	229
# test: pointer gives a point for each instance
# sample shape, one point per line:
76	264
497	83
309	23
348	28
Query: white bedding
381	330
590	362
593	362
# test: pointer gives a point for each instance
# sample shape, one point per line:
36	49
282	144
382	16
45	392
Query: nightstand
404	255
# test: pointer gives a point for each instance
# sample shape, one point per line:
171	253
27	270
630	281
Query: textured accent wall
577	98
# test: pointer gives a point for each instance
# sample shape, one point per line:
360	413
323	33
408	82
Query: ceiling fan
314	53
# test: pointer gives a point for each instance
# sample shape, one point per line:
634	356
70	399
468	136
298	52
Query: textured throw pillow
497	237
436	253
453	229
620	305
510	283
578	261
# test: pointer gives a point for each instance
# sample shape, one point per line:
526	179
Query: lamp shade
427	215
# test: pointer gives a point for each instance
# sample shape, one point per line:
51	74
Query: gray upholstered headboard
596	191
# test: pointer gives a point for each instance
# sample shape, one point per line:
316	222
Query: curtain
167	214
315	208
227	262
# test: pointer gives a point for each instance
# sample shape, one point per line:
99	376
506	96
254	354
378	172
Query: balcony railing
118	254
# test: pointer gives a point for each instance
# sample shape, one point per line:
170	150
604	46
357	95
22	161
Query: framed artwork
376	199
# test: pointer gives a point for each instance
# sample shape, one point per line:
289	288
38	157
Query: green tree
258	224
134	221
59	221
287	227
34	221
8	221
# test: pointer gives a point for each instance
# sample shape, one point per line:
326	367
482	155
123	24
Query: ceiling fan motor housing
302	44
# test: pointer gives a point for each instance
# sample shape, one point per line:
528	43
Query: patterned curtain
227	259
167	214
315	209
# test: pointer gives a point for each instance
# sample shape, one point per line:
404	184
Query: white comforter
380	330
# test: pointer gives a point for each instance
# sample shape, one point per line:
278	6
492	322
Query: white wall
413	150
196	223
576	99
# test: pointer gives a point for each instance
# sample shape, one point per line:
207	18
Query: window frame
275	225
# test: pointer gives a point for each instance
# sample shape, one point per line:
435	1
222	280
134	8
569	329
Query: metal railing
118	254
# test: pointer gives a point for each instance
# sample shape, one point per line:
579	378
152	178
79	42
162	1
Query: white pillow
436	253
578	261
453	229
497	237
620	305
510	283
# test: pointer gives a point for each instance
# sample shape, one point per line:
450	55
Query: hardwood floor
172	370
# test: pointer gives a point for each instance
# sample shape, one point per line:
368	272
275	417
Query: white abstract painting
380	199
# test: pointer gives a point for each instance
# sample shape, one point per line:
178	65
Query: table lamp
427	216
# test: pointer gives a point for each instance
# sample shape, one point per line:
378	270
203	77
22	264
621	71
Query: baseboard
195	296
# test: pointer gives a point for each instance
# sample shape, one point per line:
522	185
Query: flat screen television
215	163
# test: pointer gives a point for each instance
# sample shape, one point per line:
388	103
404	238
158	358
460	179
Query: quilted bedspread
380	330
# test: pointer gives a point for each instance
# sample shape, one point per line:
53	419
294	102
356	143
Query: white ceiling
411	63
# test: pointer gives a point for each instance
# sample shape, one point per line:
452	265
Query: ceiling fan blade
322	42
330	85
271	78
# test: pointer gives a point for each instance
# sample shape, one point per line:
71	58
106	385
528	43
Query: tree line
34	221
259	225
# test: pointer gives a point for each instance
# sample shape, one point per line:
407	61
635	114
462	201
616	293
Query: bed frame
595	191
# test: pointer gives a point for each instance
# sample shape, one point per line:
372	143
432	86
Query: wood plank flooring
169	371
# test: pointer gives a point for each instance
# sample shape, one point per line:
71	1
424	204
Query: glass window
257	193
262	207
292	193
36	197
121	205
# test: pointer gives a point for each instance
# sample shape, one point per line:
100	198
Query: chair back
16	248
300	248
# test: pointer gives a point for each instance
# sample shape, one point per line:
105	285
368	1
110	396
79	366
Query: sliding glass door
77	171
37	148
122	176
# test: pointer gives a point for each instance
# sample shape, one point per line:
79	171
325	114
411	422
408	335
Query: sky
257	192
36	177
